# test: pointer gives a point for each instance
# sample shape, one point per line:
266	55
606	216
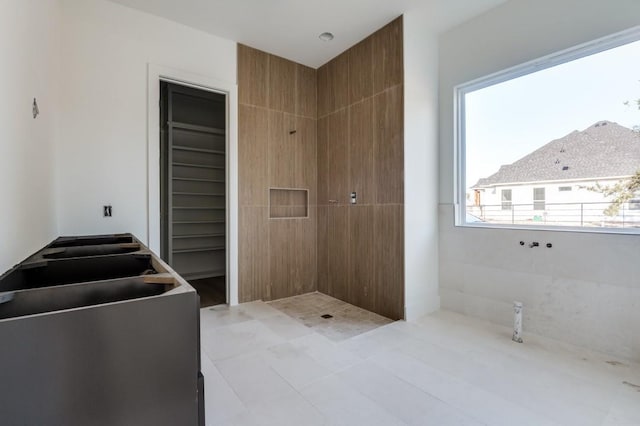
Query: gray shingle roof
603	150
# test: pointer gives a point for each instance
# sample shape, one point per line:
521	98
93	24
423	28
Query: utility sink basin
98	330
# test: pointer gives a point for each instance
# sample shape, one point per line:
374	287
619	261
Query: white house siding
578	207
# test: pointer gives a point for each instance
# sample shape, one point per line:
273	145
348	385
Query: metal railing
590	214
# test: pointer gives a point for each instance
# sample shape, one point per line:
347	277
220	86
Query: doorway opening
193	188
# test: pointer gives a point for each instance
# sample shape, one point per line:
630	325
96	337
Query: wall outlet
106	211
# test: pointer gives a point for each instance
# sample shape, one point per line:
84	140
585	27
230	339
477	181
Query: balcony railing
589	215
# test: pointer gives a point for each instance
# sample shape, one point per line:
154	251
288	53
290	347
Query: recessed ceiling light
326	36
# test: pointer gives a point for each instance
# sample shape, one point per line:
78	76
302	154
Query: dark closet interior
193	187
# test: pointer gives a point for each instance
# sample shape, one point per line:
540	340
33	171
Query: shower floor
345	320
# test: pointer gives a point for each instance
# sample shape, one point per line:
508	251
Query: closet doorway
193	187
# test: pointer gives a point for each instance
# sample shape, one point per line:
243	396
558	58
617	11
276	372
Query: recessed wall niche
286	203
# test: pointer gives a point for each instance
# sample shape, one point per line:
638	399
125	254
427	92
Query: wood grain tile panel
323	162
306	278
361	70
339	87
253	168
282	85
333	85
388	56
306	159
282	150
323	250
361	149
292	252
253	254
323	90
362	255
306	92
252	76
281	257
389	146
338	157
338	251
389	259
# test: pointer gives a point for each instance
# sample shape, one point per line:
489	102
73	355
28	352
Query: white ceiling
290	28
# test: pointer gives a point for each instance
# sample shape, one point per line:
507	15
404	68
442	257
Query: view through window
556	147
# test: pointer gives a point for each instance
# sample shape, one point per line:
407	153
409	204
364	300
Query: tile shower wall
332	131
360	149
277	149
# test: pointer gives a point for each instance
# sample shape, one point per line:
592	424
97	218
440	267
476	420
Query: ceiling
290	28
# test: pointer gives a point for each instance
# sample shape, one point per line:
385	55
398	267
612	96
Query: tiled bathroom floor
263	367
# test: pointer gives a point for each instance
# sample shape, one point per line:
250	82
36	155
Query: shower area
321	169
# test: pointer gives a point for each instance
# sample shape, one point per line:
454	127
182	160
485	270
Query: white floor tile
265	368
253	380
292	364
221	315
221	402
325	352
237	339
403	400
342	405
289	410
286	327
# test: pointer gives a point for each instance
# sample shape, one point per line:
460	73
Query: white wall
586	289
29	62
103	143
421	165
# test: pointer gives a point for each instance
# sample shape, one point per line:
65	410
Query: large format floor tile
280	363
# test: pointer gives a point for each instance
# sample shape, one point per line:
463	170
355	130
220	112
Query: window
544	125
506	199
538	198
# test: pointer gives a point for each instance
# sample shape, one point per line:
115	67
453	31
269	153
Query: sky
509	120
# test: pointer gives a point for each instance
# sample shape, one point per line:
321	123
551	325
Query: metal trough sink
89	336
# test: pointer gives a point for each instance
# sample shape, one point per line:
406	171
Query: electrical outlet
106	211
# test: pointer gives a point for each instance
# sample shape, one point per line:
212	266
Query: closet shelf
198	222
199	180
198	208
200	194
203	274
200	166
200	249
202	150
198	236
195	127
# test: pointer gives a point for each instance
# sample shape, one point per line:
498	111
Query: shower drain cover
327	316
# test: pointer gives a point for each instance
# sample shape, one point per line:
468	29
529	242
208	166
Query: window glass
506	199
538	198
558	146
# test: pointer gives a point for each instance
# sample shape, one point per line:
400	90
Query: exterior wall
585	289
578	207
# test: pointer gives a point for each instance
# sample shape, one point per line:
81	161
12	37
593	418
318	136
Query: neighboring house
551	185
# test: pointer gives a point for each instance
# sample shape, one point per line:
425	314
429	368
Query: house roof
604	149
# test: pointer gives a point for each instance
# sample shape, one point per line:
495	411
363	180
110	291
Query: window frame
459	136
506	205
539	203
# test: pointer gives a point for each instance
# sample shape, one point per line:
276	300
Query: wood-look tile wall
277	149
360	148
332	131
